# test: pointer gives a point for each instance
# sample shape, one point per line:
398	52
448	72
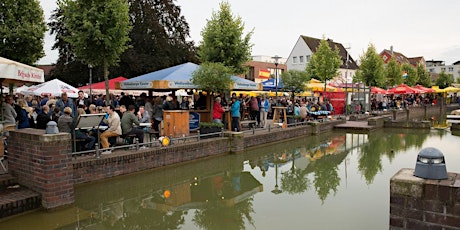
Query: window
308	58
294	60
451	69
443	69
301	59
431	70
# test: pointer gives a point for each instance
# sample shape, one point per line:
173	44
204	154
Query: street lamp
90	83
276	57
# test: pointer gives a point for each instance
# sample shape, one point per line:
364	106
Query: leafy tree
224	42
22	30
371	70
393	73
424	78
294	81
444	80
158	38
212	77
98	31
412	77
324	63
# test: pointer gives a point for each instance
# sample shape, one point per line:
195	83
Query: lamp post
276	57
90	83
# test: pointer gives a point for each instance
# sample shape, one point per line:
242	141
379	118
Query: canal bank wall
417	203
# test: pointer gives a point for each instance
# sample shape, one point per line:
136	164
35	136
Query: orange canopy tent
377	90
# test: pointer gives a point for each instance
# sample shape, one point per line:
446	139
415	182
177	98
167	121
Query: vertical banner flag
264	73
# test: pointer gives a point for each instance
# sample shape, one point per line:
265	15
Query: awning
17	73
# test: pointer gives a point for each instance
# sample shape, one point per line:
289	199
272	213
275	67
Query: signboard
136	85
194	120
245	86
181	85
20	72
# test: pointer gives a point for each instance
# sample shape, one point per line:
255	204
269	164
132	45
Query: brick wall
416	203
42	162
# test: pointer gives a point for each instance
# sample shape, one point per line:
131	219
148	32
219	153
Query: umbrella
427	90
404	89
377	90
54	87
451	89
318	86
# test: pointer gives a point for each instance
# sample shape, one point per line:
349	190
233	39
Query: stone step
16	199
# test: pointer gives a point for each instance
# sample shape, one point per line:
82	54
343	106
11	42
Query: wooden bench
248	123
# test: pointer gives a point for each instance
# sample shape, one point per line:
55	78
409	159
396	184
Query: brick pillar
236	141
417	203
42	162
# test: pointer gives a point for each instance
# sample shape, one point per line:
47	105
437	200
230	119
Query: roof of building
313	44
415	60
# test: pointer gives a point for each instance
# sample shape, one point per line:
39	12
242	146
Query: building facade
436	67
306	46
262	68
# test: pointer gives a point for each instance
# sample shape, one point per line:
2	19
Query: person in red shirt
217	111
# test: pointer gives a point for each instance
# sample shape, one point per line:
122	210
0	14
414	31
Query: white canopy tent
54	87
12	72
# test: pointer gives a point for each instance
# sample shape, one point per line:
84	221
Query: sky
413	27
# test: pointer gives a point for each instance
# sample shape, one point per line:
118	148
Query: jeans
236	124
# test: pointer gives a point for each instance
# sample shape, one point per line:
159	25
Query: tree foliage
97	31
393	73
412	77
424	78
212	77
324	63
294	81
157	40
224	42
372	70
444	80
22	30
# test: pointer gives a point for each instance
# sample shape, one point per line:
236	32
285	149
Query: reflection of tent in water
334	146
230	189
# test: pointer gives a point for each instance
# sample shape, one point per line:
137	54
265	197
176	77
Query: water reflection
242	191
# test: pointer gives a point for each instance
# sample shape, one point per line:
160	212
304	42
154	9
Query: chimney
391	50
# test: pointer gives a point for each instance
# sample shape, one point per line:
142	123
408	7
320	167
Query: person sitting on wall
114	128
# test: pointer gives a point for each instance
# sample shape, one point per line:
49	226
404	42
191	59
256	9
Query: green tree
371	70
324	63
98	31
212	77
224	42
22	30
444	80
393	73
411	78
424	78
294	81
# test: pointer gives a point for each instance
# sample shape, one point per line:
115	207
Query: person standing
235	113
8	111
43	118
264	108
65	101
157	115
114	130
217	111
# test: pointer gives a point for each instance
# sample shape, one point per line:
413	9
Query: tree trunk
106	79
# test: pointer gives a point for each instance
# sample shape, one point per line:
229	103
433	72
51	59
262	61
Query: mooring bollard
430	164
98	153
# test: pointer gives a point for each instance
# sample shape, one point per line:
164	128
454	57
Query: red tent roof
378	90
101	85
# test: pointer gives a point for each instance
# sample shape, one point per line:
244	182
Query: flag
404	75
264	73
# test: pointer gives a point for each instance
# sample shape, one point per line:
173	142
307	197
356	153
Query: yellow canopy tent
437	89
451	89
318	86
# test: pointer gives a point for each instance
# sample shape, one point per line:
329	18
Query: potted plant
210	127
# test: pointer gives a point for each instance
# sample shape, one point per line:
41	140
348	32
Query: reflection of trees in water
326	177
295	180
385	143
218	215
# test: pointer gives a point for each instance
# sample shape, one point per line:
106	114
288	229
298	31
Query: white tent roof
54	87
18	73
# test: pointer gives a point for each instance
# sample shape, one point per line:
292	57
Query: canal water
331	181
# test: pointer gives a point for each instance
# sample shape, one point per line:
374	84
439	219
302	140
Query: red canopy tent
377	90
404	89
99	87
427	90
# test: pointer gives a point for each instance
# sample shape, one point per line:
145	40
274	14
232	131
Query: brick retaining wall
417	203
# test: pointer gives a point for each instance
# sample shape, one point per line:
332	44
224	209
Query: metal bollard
136	141
98	154
198	134
253	130
269	128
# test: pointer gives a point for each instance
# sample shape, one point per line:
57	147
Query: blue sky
413	27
